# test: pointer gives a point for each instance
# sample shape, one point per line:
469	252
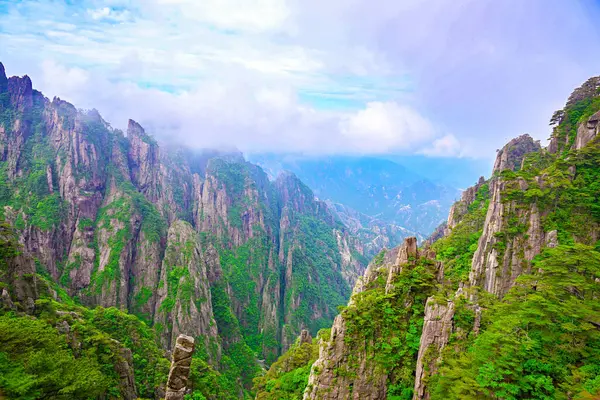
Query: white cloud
246	113
263	74
446	146
108	13
385	127
236	15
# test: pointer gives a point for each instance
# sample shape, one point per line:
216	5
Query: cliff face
539	204
511	234
169	235
351	364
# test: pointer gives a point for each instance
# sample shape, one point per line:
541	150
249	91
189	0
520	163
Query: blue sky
439	78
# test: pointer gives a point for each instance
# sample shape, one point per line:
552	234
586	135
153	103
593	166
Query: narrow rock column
305	337
180	368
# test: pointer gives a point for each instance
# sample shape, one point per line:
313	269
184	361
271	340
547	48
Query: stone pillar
180	368
305	337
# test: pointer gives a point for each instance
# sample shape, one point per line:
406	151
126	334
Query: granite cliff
489	305
191	242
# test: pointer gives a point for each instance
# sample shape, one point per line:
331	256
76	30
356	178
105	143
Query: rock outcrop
115	218
305	337
184	298
460	208
143	160
500	258
347	370
587	131
437	327
124	369
512	154
180	368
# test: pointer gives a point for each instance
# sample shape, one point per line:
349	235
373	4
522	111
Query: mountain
116	228
449	171
374	234
503	302
376	187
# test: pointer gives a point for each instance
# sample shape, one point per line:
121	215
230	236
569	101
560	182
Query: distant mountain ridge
376	187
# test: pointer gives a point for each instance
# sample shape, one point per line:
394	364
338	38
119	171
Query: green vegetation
541	342
316	277
288	376
41	361
67	351
36	362
238	361
456	250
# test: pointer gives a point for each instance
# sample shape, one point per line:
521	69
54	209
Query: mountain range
118	253
376	187
502	302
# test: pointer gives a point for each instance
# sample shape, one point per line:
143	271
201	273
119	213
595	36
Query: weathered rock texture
365	379
500	259
184	300
437	327
305	337
124	368
180	368
119	221
460	208
587	131
512	154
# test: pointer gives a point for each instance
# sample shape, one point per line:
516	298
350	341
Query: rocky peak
143	160
65	106
460	208
407	253
512	154
587	90
135	130
3	79
437	327
21	93
293	191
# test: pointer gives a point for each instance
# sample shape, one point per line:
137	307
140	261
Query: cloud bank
444	78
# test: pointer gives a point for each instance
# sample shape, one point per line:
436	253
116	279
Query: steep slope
52	348
510	307
190	242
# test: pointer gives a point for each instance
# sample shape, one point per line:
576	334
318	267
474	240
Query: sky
437	78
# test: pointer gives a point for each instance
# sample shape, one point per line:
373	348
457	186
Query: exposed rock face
459	209
143	161
498	261
512	154
118	222
184	298
20	96
437	327
406	254
323	384
180	368
3	79
587	131
365	379
124	368
305	337
18	272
